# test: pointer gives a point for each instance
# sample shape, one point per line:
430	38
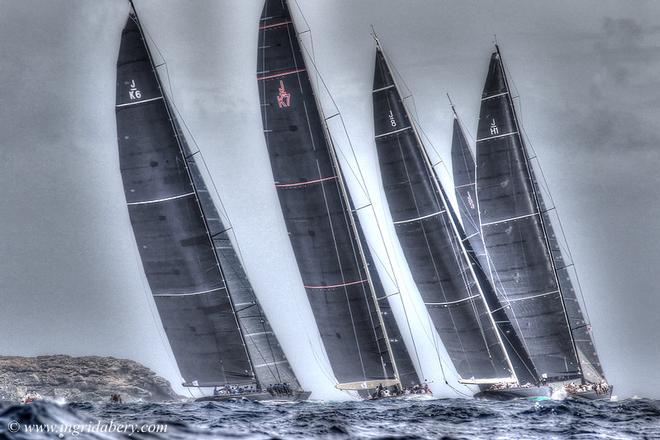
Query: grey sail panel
174	244
315	210
463	167
514	237
268	359
429	242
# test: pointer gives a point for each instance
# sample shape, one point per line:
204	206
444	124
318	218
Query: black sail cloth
315	208
423	223
514	236
171	230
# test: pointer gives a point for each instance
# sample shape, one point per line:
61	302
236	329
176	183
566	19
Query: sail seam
533	296
382	88
189	294
393	132
289	185
497	136
332	286
509	219
419	218
268	26
279	74
166	199
138	102
458	301
259	333
267	364
494	96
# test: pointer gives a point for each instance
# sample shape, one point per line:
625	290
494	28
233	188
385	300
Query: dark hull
544	392
261	396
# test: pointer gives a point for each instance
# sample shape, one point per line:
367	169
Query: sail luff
140	212
445	212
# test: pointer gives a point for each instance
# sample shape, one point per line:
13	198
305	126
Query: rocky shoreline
81	379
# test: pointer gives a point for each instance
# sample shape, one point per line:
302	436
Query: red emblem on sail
284	97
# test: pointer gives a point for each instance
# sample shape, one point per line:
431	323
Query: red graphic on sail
284	97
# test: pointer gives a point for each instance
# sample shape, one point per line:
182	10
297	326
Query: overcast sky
586	72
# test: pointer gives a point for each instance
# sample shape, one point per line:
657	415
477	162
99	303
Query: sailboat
335	264
216	329
462	306
521	251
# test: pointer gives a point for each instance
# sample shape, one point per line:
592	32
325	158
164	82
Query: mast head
451	104
374	35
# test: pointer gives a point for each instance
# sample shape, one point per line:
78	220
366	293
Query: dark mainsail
317	210
430	237
516	236
182	242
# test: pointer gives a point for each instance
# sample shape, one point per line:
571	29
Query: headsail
317	210
430	237
173	221
515	234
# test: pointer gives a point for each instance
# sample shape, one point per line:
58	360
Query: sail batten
176	227
325	236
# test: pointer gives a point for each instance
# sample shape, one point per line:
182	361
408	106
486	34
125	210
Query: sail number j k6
133	92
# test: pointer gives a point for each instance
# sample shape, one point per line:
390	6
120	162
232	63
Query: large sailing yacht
216	329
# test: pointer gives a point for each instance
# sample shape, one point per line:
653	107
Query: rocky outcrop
80	379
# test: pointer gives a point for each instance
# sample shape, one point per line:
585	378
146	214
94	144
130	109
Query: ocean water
385	419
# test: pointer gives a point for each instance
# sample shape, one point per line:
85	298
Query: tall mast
192	181
538	208
451	217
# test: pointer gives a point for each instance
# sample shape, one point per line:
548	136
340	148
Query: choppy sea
385	419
